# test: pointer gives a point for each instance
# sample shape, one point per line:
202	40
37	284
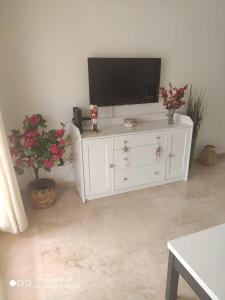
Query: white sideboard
118	159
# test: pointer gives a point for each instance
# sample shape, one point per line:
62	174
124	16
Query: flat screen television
118	81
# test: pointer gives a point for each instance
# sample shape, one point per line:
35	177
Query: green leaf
195	109
26	122
61	162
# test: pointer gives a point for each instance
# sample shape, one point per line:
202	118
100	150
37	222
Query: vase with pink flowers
172	99
36	147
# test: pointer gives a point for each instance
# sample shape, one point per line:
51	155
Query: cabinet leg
172	279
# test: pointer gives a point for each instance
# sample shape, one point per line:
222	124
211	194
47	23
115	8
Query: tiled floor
112	248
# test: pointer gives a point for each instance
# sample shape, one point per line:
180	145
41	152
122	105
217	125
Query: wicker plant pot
42	195
208	156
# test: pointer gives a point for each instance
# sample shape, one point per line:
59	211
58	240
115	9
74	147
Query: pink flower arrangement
35	146
173	97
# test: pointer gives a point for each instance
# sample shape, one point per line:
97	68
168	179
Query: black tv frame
95	59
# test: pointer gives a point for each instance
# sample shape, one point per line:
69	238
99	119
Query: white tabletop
203	255
120	129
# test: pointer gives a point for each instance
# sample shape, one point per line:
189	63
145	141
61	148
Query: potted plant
172	99
37	147
195	109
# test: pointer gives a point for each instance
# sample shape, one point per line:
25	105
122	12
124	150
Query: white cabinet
119	159
177	160
98	166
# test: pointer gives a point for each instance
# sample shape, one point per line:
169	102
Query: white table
200	259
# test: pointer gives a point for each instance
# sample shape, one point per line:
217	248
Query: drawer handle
125	178
125	149
157	152
156	173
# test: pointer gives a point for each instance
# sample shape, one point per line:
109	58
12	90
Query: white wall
47	42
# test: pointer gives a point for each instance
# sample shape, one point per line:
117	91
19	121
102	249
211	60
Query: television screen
118	81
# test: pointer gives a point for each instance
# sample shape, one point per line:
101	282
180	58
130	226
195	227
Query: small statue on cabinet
94	116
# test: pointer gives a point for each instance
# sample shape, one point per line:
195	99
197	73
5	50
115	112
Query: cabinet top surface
120	129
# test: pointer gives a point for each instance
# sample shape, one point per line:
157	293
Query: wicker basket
43	195
208	156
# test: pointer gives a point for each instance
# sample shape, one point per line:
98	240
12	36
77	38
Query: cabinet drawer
138	156
139	139
137	176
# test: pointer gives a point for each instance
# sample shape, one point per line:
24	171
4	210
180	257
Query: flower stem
36	170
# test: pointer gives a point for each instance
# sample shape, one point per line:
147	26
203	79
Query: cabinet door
98	166
178	150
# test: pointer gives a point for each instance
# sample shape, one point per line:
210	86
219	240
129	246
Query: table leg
172	279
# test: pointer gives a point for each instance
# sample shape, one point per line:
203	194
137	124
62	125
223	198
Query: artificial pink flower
62	142
60	153
30	138
29	143
54	149
60	133
48	163
172	97
34	119
31	134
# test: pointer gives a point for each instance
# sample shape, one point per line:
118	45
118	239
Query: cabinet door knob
171	155
125	142
156	172
125	158
125	178
111	165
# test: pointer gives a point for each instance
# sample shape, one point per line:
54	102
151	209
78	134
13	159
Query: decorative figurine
94	116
